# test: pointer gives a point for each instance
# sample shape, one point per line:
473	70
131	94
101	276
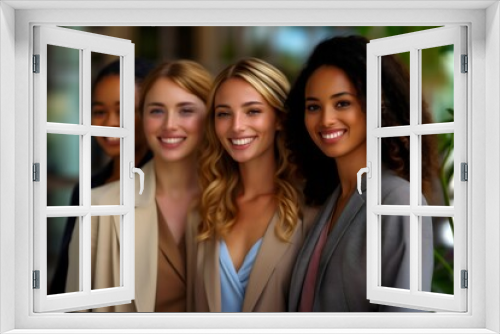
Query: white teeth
242	141
172	140
332	134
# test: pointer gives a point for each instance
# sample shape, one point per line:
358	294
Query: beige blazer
269	281
106	246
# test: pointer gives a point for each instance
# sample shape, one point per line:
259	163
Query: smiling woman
172	102
328	120
251	227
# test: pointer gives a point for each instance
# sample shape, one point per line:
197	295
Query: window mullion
414	166
85	165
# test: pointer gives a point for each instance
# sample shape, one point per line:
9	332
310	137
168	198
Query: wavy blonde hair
188	74
219	173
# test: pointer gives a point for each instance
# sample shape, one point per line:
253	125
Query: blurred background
216	47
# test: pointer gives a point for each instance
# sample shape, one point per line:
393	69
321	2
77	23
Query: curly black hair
349	55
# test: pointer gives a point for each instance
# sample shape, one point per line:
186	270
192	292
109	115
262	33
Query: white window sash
85	43
414	298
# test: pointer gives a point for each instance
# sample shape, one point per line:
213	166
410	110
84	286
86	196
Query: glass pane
395	159
61	263
395	257
63	169
438	169
105	168
105	90
395	92
442	270
63	85
105	112
437	84
105	253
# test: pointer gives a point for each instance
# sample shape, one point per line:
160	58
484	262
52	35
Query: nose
238	122
170	123
113	119
328	117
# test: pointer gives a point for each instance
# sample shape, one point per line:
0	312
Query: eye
253	111
186	111
312	107
98	113
343	104
155	111
221	114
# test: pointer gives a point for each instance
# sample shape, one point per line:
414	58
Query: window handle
368	171
141	175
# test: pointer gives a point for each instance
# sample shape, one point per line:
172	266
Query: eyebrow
97	103
158	104
246	104
332	96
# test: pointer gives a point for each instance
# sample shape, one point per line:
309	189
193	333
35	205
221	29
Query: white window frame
84	43
483	20
414	43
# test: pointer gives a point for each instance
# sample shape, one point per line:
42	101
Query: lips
171	142
241	143
111	141
332	136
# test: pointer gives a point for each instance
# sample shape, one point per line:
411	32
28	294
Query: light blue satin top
233	284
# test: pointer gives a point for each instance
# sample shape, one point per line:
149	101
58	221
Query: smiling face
334	117
106	112
173	121
245	123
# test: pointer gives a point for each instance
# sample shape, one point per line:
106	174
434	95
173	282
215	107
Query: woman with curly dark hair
327	131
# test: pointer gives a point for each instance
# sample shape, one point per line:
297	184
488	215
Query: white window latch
368	171
133	170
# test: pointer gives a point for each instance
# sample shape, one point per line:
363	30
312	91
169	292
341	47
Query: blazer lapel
302	262
146	241
211	274
355	204
269	255
170	249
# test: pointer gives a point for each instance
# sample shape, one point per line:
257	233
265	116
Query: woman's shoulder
107	194
395	189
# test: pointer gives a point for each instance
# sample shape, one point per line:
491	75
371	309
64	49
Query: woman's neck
176	179
257	176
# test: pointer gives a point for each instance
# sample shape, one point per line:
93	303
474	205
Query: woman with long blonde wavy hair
251	227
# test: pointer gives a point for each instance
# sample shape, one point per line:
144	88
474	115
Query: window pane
395	81
105	112
105	169
105	89
437	66
395	249
106	252
442	273
63	169
438	172
396	159
63	85
60	231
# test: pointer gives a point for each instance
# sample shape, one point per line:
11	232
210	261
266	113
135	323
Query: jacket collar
270	253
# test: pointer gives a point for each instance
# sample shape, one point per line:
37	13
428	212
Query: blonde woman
250	229
173	102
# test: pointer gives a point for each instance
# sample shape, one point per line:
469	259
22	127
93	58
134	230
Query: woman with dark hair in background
105	112
327	131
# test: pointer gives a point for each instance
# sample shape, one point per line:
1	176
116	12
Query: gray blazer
341	279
